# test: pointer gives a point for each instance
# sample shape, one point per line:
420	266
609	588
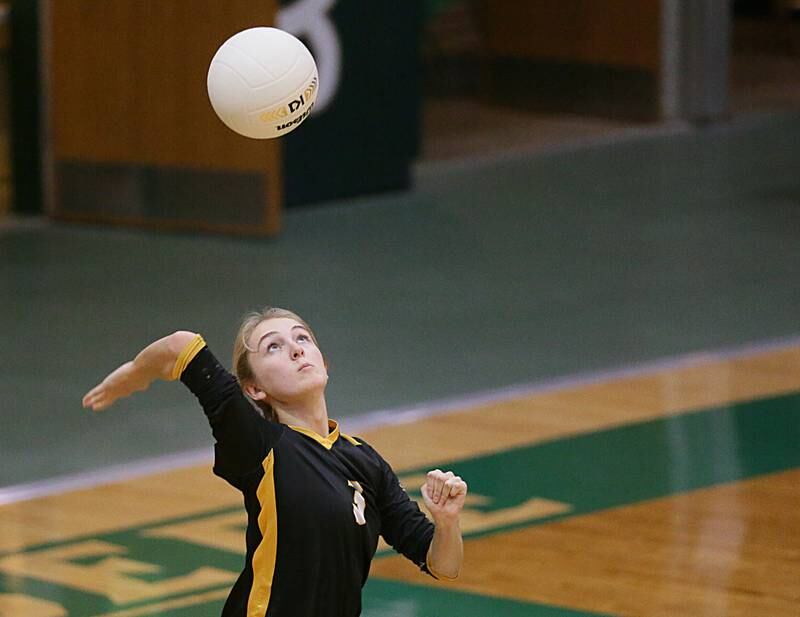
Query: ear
254	392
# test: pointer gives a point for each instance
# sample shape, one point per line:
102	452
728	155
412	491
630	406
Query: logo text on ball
284	110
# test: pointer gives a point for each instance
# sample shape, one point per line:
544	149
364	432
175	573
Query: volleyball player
316	499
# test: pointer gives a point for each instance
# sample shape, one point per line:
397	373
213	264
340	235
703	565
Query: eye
303	337
273	347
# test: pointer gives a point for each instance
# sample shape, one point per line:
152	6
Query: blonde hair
241	364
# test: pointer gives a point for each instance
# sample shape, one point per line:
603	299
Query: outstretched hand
444	494
156	361
120	383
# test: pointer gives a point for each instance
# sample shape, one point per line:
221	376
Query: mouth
305	366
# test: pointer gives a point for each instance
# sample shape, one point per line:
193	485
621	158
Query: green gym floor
488	275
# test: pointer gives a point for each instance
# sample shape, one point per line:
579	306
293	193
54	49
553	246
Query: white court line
107	475
390	417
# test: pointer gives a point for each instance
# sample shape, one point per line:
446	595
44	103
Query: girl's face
287	364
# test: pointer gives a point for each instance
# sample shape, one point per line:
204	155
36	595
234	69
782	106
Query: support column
695	59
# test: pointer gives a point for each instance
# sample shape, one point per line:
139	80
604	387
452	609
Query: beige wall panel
129	82
615	32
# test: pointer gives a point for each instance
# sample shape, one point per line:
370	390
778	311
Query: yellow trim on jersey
187	355
326	442
437	575
352	440
267	550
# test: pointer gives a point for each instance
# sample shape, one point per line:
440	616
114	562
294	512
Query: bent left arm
444	494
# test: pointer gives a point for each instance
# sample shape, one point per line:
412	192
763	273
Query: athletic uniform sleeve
243	436
403	525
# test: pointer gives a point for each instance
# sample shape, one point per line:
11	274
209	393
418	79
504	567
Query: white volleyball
262	82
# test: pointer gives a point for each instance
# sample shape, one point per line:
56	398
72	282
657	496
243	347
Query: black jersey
315	505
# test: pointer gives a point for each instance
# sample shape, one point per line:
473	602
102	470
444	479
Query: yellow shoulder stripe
187	355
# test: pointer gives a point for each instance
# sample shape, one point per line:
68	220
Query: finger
92	396
438	484
450	484
426	493
434	473
453	487
458	489
430	482
440	478
99	401
88	400
445	477
427	498
89	396
446	486
97	390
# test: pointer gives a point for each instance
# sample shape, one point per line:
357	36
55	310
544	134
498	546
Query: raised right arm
156	361
243	436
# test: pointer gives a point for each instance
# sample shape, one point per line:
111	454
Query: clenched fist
444	494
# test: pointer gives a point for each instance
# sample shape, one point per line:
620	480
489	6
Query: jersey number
359	503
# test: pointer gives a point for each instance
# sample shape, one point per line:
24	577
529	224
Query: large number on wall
309	20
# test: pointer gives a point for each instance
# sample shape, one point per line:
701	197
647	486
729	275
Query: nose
297	351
